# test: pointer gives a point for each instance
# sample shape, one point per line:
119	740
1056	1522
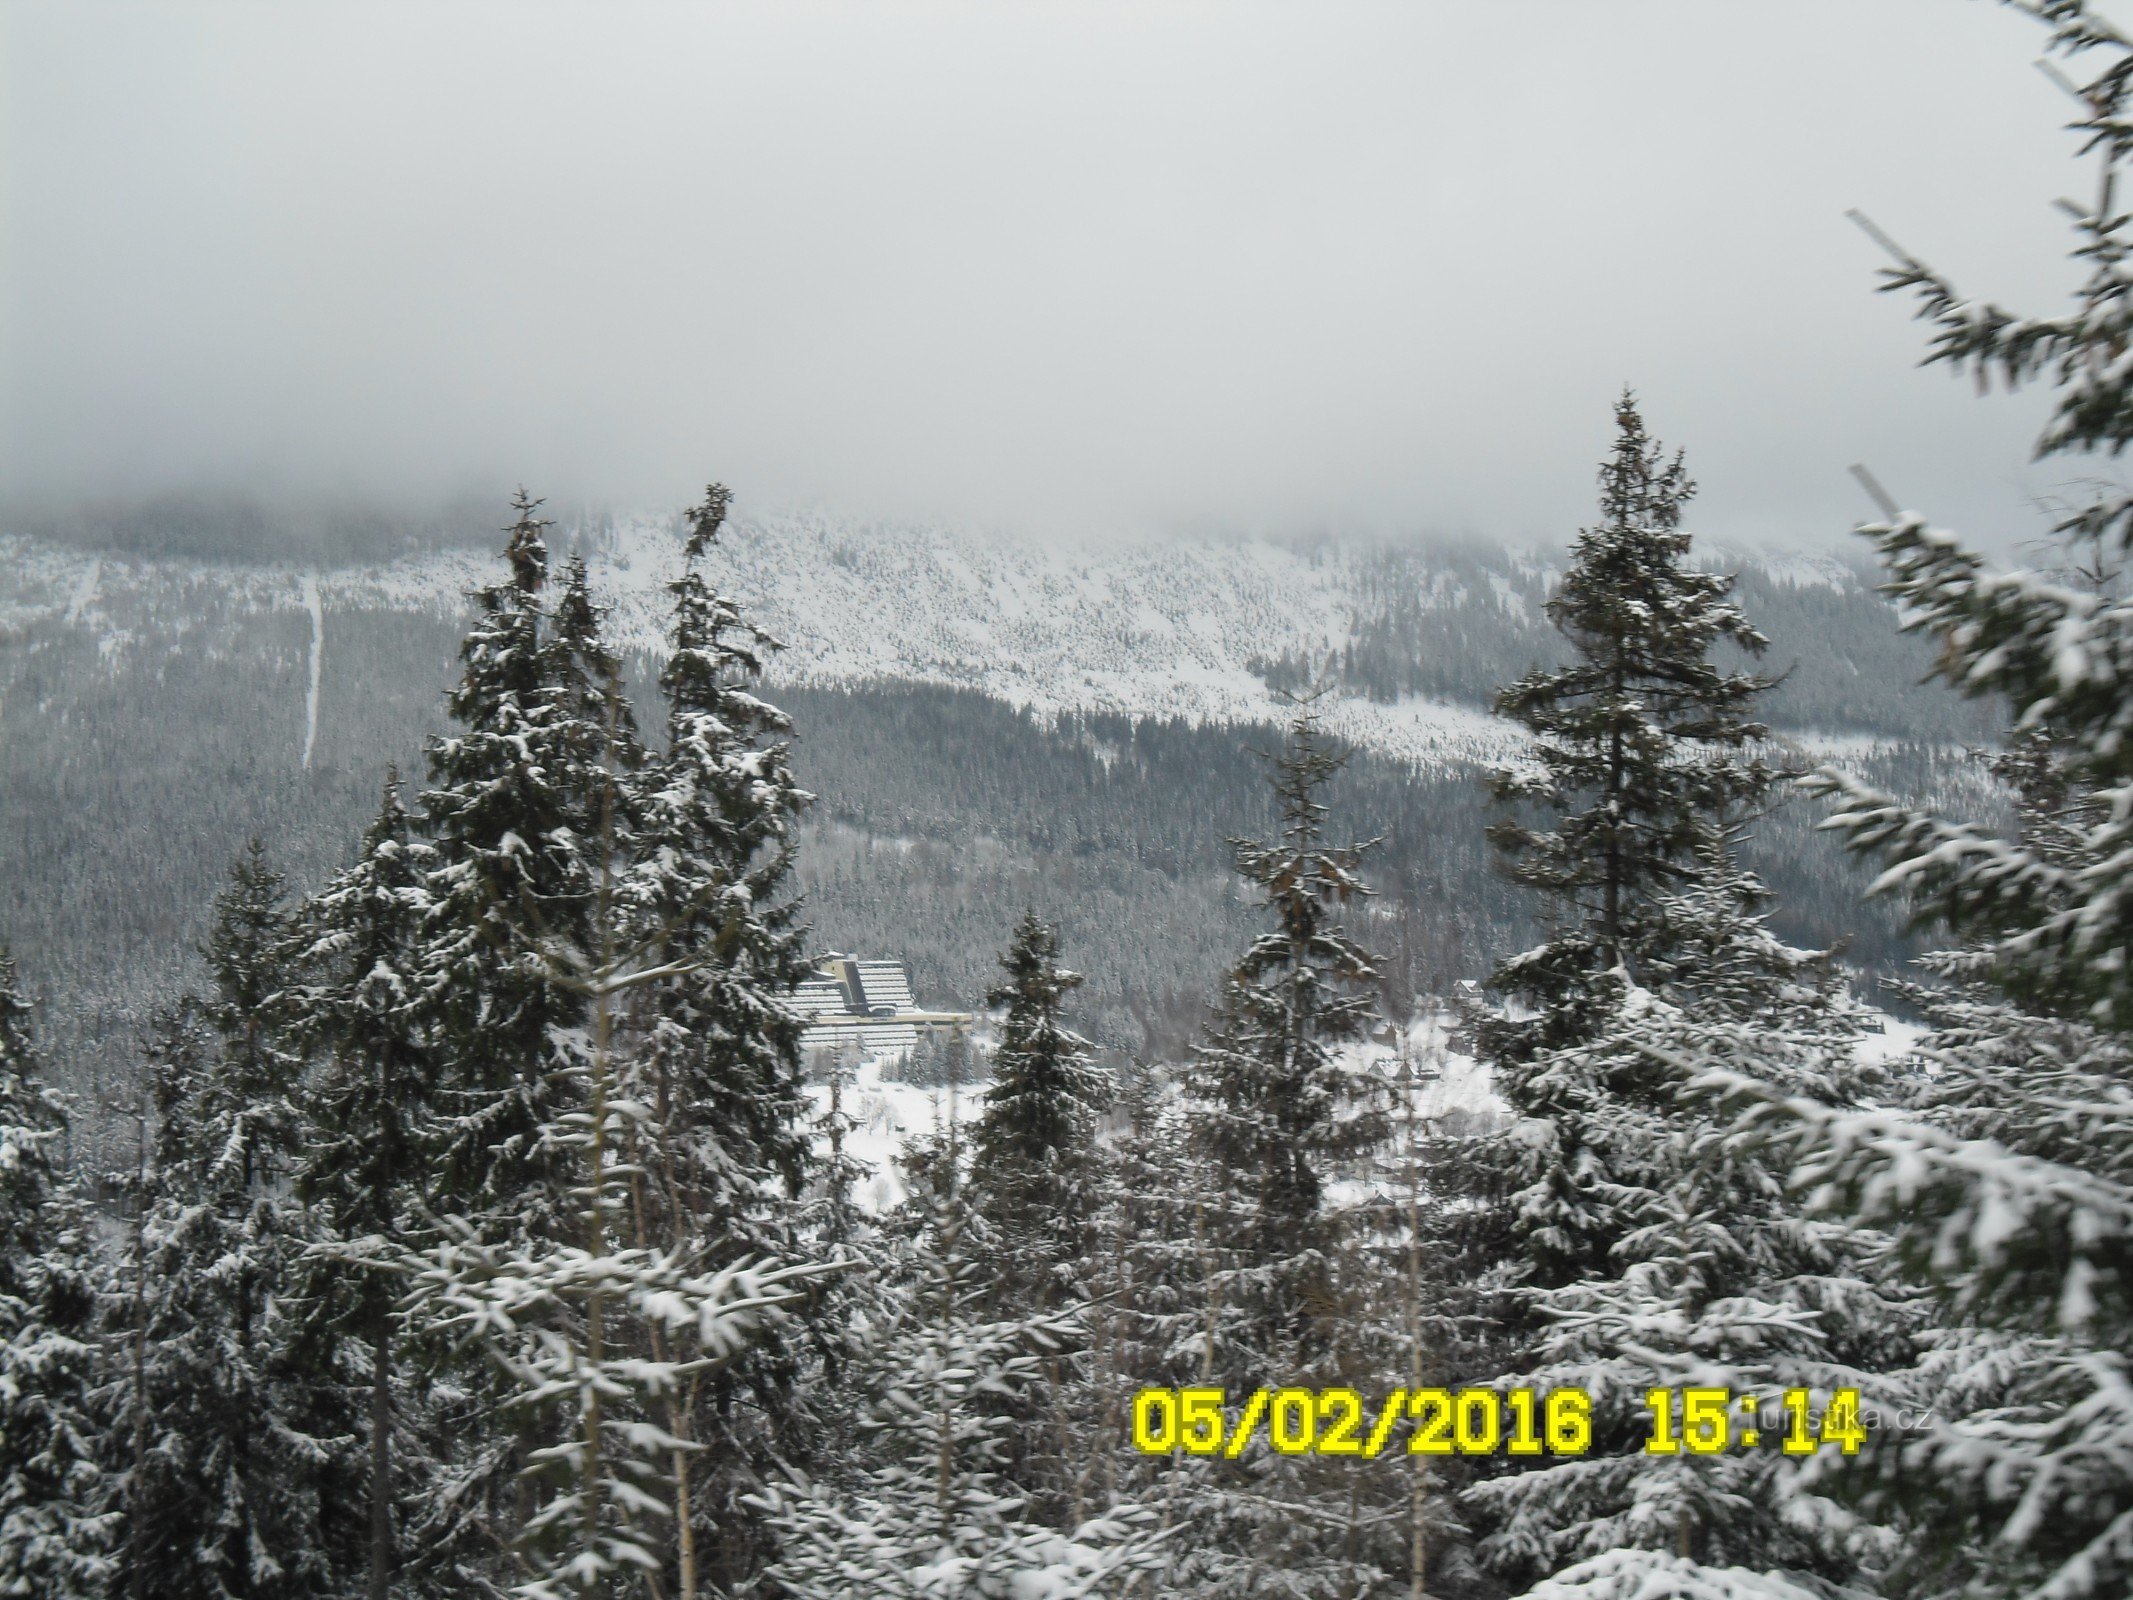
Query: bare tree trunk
596	1208
1418	1492
136	1485
680	1409
681	1402
381	1466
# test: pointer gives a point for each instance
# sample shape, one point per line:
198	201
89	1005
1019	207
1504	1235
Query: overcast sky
1046	266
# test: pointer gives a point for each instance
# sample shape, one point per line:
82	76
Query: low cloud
1056	267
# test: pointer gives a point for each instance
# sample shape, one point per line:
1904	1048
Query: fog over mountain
1056	268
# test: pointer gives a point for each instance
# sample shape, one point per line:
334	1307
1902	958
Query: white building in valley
847	1002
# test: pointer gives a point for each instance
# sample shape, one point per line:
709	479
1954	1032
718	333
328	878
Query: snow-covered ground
1895	1040
884	1115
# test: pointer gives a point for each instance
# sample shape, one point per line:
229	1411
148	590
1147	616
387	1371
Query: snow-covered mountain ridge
1172	628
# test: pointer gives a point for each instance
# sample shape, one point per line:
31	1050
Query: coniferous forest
477	1223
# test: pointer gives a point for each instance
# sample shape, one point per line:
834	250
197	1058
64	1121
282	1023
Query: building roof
847	990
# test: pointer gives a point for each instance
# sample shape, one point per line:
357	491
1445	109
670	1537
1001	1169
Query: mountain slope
1415	637
988	726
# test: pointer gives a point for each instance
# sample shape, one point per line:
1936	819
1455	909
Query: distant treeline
1453	621
224	525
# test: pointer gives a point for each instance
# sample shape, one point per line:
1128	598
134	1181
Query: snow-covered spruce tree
712	1045
1033	1179
1713	1279
1639	756
1273	1107
547	928
923	1511
714	818
1031	1166
1637	761
512	813
2004	1184
355	1012
1655	1253
2008	1184
54	1532
235	1468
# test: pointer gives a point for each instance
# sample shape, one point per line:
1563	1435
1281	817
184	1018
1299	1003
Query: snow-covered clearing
85	591
884	1116
316	607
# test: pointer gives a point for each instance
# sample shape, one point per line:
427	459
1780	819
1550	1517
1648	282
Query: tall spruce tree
505	879
1638	755
2001	1178
1637	763
1031	1168
715	816
510	811
2007	1182
712	1046
1273	1103
605	959
236	1467
356	1013
1655	1254
514	818
54	1532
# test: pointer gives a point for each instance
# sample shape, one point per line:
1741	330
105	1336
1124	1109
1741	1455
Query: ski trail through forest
317	608
86	593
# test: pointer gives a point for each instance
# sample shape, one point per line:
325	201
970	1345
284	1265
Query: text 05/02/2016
1481	1422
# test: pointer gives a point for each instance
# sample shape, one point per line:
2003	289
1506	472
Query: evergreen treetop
54	1531
1033	1141
237	1123
33	1125
1638	740
2004	1178
1273	1105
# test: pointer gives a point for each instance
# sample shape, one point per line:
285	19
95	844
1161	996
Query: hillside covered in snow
1415	637
987	724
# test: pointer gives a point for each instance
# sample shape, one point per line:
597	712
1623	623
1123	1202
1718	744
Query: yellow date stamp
1480	1422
